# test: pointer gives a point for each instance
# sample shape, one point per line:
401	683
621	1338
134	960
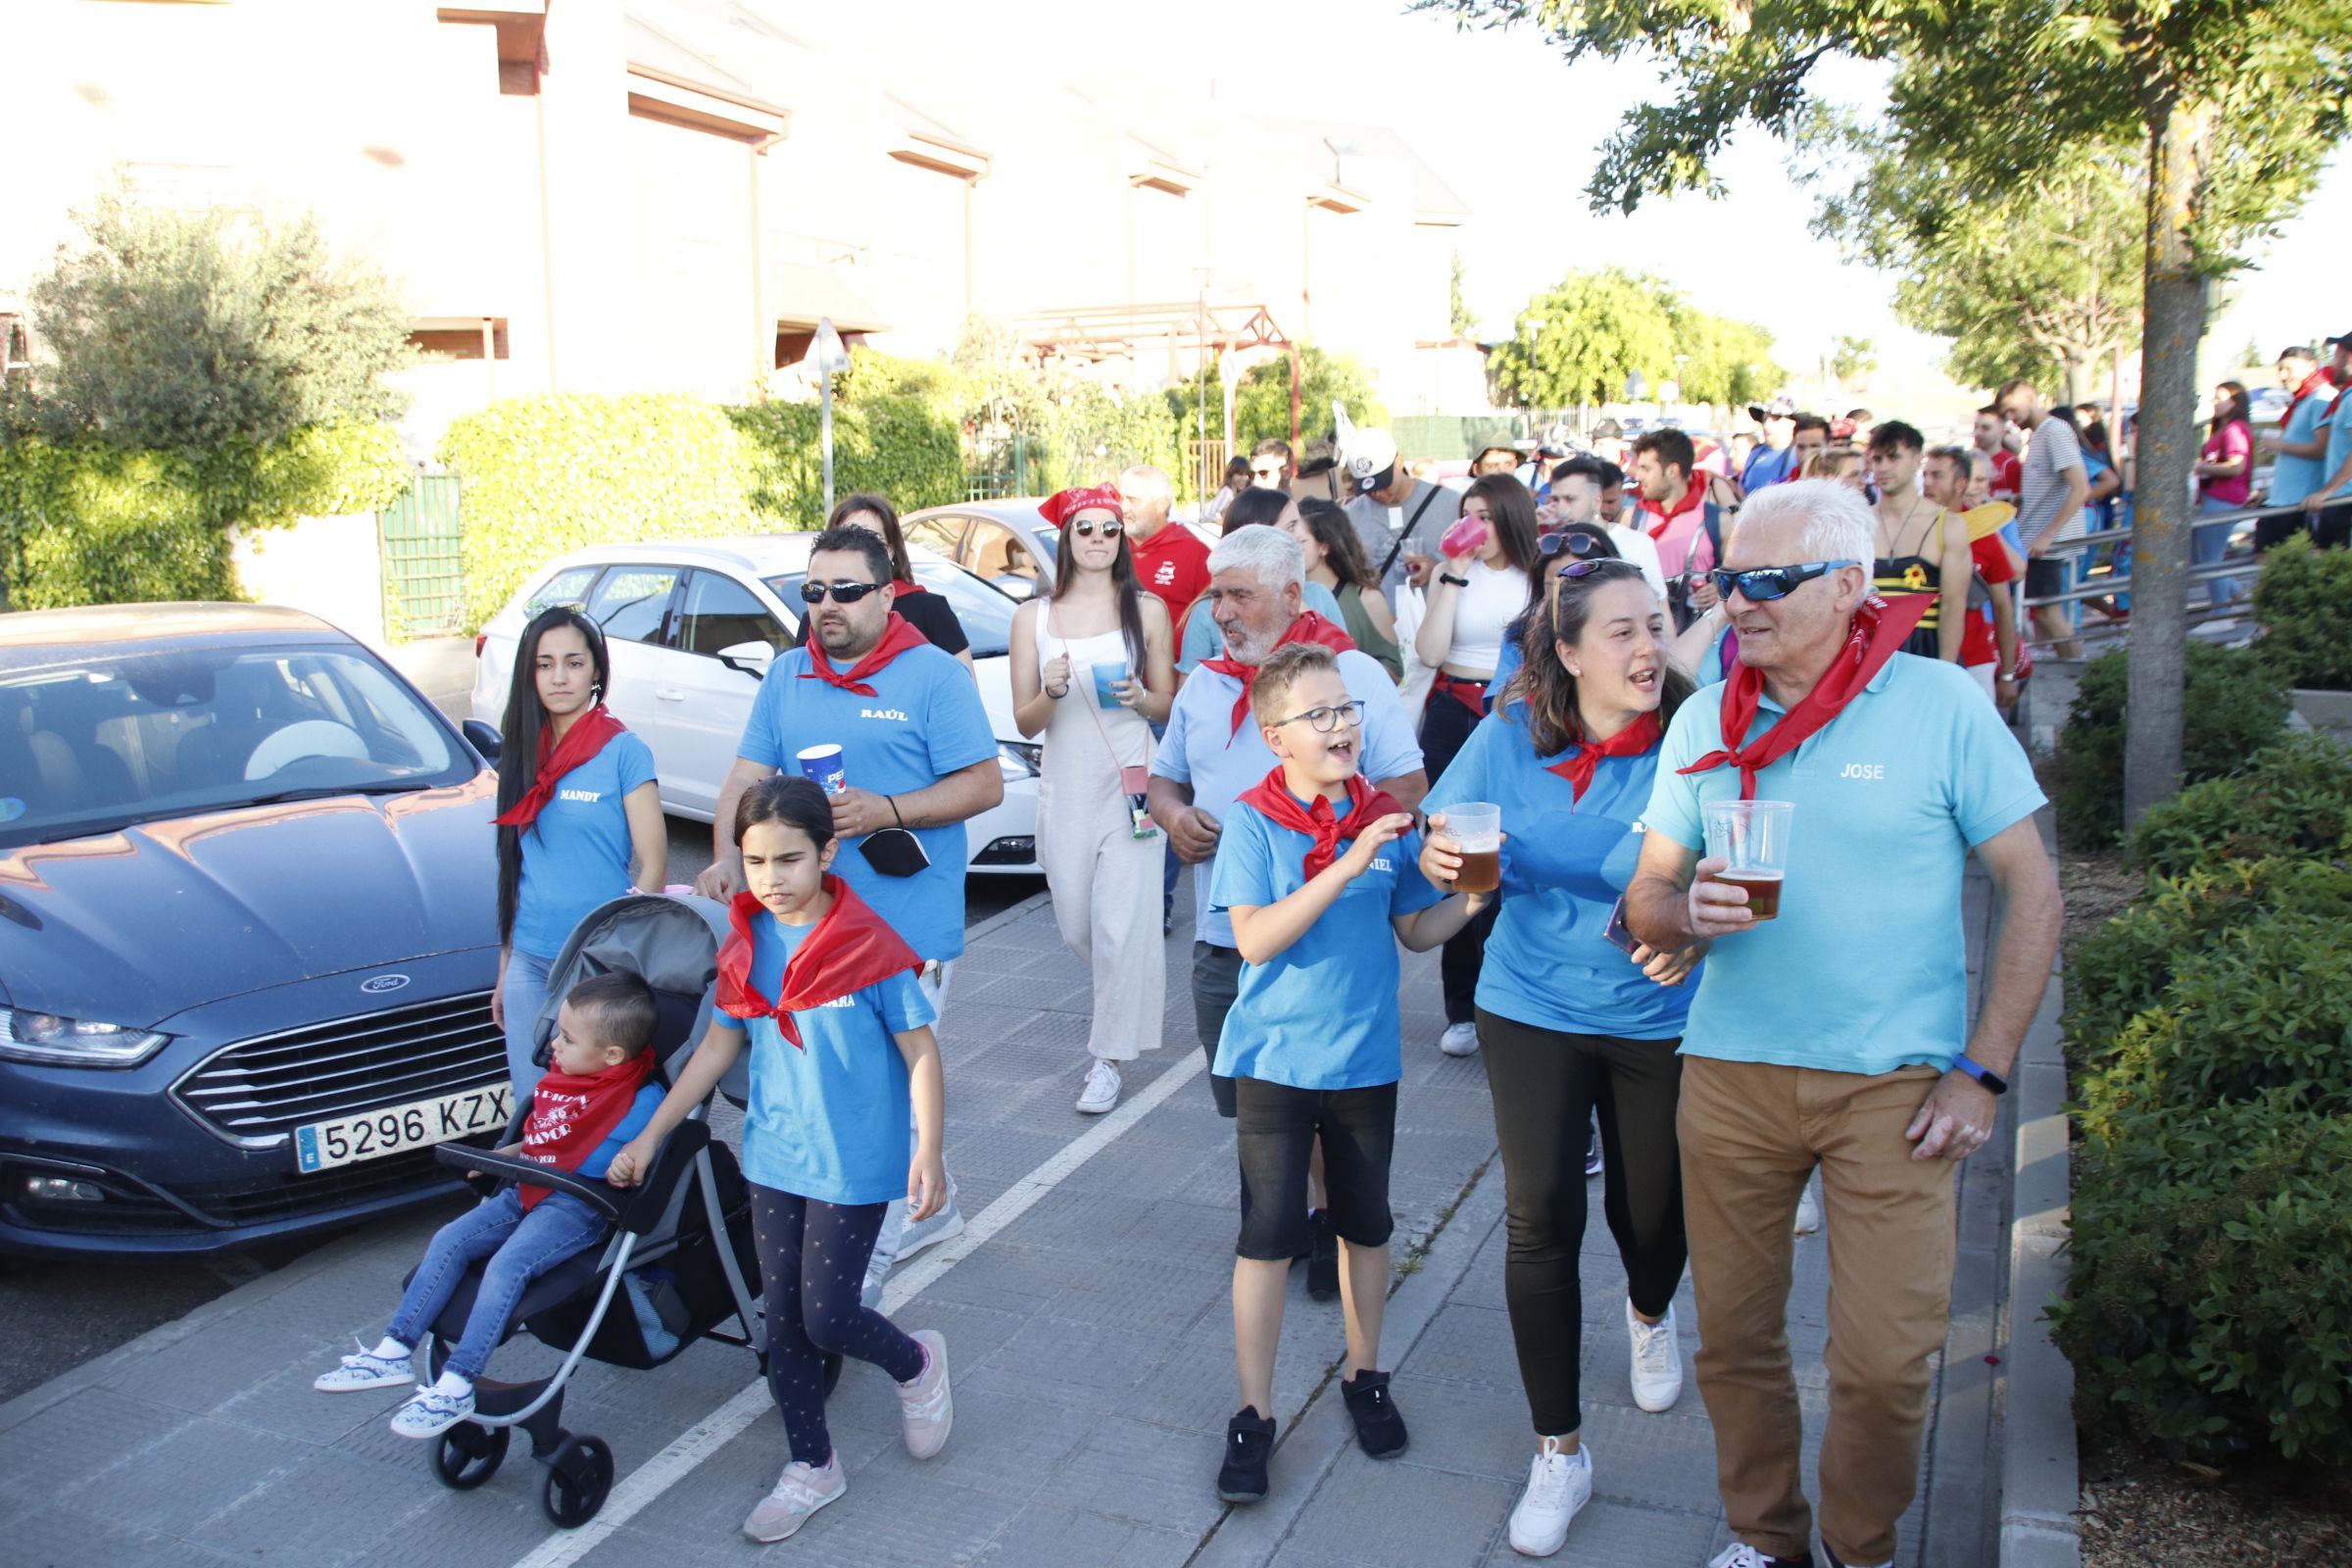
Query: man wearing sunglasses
1837	1033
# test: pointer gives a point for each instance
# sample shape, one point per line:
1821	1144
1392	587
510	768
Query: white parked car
691	626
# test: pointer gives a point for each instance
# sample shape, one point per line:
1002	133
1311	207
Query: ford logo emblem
383	983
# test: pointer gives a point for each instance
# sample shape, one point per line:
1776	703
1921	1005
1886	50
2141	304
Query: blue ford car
247	931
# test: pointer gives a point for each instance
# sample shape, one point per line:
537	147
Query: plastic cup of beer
822	766
1477	827
1752	838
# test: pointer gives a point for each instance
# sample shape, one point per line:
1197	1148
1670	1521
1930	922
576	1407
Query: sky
1515	130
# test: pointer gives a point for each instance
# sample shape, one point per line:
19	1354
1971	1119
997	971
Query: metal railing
2114	582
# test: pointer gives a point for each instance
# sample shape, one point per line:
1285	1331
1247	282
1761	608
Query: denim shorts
1275	1129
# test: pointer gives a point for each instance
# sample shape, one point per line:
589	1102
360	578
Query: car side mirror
751	659
1014	587
483	739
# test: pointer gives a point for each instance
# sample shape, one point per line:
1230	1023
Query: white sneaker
799	1491
1657	1362
944	1226
897	1240
365	1370
1102	1091
1557	1486
1808	1212
926	1409
432	1411
1458	1040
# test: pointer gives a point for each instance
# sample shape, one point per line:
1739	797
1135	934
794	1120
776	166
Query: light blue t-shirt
1866	968
2292	477
923	722
827	1119
1322	1013
1202	640
1203	748
576	856
2339	443
1565	863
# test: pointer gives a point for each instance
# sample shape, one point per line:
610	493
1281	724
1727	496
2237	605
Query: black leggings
812	1258
1544	1084
1446	726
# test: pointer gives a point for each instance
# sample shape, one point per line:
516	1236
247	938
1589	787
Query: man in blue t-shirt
1833	1034
917	754
2330	514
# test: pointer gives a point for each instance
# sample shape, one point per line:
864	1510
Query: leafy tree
1579	340
1852	358
1261	404
2233	104
1723	361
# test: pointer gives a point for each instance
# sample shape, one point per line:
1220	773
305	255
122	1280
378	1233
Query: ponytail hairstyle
790	798
1543	683
519	740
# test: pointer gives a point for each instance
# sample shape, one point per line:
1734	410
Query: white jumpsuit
1104	880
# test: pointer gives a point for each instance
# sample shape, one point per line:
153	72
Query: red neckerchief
906	588
1632	741
897	637
2336	402
2311	384
850	950
586	737
1694	496
1310	627
1365	806
573	1113
1878	636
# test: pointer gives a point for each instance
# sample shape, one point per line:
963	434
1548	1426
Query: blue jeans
2207	546
526	992
521	1245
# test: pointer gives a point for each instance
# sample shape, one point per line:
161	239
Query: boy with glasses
1315	868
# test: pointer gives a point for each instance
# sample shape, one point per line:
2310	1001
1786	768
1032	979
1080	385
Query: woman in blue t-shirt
1573	1015
579	816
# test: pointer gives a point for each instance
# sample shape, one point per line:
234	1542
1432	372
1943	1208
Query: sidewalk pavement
1089	1331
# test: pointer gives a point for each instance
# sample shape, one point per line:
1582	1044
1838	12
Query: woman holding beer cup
1573	1015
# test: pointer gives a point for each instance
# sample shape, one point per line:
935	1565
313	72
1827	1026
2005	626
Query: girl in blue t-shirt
1573	1015
842	1056
579	816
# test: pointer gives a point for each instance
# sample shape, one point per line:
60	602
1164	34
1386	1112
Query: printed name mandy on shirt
584	797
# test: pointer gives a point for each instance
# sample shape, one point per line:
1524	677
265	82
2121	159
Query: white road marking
698	1442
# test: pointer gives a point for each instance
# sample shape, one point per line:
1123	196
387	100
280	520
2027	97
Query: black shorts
1275	1129
2046	577
1216	981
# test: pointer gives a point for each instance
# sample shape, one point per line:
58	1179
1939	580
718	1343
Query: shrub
2235	705
2210	1303
556	472
900	445
2294	798
2300	603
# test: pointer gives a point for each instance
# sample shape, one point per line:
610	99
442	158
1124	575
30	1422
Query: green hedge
893	444
2301	601
556	472
2293	797
88	523
2235	705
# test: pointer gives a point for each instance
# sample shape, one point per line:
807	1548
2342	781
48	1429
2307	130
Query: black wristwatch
1459	583
1982	1073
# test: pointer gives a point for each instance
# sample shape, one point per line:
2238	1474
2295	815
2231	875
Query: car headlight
1018	760
59	1042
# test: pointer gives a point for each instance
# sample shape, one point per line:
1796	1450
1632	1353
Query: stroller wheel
469	1454
832	1372
579	1475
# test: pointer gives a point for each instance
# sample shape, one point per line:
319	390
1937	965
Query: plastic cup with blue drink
822	766
1106	676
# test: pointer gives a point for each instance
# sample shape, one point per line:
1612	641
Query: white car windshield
91	741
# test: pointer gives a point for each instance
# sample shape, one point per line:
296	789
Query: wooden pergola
1092	333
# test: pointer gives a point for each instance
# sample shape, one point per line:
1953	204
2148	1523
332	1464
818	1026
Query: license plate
374	1134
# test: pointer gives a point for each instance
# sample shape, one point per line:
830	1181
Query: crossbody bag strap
1412	522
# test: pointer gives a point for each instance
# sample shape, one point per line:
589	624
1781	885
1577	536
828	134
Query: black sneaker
1249	1444
1323	1257
1378	1426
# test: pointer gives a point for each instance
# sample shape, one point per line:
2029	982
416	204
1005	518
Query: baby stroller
680	1261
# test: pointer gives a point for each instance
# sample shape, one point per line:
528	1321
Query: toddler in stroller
634	987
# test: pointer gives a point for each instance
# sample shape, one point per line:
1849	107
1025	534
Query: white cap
1371	458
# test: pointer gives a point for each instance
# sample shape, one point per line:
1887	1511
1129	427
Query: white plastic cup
822	766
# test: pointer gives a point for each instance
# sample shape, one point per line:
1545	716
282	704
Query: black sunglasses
1088	529
844	593
1577	570
1575	541
1763	583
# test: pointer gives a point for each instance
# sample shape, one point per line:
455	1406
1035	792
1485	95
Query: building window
447	339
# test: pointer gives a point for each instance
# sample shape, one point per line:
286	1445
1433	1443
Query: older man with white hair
1836	1033
1212	753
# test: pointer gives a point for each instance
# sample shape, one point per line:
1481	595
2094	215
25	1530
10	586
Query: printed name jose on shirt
1863	770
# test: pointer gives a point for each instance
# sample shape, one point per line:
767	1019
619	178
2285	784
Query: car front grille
258	1091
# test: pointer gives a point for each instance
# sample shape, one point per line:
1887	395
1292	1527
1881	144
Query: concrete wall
330	566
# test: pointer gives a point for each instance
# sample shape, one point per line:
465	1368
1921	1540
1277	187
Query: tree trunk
2174	325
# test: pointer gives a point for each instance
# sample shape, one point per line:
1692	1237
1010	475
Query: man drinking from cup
1837	1033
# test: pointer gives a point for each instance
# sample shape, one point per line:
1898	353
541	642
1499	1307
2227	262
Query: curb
2041	1484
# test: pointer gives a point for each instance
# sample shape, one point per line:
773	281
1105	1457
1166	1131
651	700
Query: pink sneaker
799	1491
925	1409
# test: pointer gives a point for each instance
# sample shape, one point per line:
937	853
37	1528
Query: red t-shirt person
1173	563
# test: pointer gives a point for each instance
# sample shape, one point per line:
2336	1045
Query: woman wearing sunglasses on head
927	612
1092	671
1573	1015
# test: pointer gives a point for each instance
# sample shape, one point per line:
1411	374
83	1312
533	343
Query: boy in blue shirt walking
1315	868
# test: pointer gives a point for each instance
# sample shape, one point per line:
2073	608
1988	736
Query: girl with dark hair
1335	560
842	1057
1573	1015
579	815
1477	590
1092	671
2225	470
927	612
1255	507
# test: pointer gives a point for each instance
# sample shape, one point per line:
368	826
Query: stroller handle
671	1164
637	1211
